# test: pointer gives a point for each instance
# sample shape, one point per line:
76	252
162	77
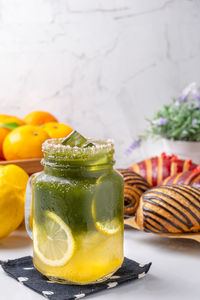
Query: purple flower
196	94
187	91
194	121
134	145
183	98
160	121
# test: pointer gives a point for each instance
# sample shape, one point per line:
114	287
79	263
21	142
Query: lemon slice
53	240
109	227
107	207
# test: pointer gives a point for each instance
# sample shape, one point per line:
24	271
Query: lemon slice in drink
53	240
109	227
107	206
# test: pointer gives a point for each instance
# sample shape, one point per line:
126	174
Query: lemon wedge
53	240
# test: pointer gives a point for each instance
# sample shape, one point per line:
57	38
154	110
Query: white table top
175	273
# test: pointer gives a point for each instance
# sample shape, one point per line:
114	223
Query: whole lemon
57	130
13	182
14	175
24	142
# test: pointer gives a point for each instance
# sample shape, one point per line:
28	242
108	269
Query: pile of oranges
23	138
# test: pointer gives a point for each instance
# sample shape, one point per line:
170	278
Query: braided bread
156	169
134	187
170	209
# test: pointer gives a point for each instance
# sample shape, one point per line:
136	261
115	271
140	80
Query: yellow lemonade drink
78	213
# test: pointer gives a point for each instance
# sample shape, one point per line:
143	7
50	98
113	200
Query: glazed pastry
189	178
134	187
170	209
156	169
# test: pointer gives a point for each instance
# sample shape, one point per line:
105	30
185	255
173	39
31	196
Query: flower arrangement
177	121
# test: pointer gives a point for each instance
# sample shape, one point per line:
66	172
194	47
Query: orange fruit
11	119
4	119
24	142
57	130
39	118
3	134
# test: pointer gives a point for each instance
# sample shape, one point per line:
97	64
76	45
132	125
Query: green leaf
10	126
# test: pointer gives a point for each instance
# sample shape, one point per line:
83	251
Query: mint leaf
10	126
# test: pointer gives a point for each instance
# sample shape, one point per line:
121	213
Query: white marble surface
174	273
101	66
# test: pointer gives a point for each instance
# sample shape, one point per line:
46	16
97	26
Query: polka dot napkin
22	269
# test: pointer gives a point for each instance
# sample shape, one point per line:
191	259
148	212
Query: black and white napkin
22	269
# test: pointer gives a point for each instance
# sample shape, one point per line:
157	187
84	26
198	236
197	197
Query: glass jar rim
54	149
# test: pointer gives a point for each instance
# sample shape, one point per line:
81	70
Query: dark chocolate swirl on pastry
170	209
134	186
131	199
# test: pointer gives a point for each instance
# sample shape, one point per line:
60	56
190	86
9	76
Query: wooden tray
31	166
193	236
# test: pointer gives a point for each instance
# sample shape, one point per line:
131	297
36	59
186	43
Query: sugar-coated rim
54	147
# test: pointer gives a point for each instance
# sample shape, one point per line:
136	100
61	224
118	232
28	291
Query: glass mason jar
77	204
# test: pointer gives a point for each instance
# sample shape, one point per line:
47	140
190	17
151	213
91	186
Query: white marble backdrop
100	65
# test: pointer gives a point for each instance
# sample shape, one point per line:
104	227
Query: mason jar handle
28	204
